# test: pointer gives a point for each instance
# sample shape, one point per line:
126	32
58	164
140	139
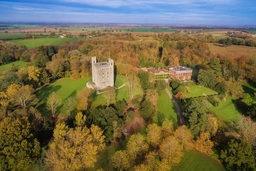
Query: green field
166	109
31	43
18	64
67	87
196	161
19	26
121	93
9	36
64	87
226	111
251	31
196	91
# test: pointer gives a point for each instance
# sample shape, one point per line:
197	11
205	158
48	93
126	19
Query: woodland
35	137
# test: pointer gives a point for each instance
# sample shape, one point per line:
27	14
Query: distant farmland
233	51
31	43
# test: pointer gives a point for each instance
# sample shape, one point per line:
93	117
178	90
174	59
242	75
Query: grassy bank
226	111
195	161
17	64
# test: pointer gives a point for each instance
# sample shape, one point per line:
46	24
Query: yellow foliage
136	145
33	73
12	90
184	136
204	144
82	98
120	160
167	128
74	148
80	119
154	134
171	150
3	99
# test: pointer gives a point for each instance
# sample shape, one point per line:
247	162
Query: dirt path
181	117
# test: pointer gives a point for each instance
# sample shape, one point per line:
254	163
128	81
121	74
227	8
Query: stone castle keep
103	73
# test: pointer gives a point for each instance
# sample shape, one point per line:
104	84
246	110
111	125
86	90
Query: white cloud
132	3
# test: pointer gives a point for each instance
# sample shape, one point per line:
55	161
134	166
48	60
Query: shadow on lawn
43	95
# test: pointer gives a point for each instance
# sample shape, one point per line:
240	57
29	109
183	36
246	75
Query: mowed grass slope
196	161
196	91
18	64
31	43
166	109
67	87
226	111
64	87
233	51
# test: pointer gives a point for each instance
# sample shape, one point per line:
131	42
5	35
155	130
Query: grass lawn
226	111
120	80
31	43
104	158
166	109
64	87
18	64
122	93
196	161
67	87
196	91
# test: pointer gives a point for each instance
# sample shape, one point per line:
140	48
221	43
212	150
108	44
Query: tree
180	95
133	83
160	85
120	160
215	66
104	118
82	98
154	135
184	136
167	128
70	105
147	110
246	128
74	148
24	96
53	102
204	144
18	147
238	156
56	68
34	75
196	117
207	78
234	88
136	145
110	95
212	125
171	150
152	96
134	122
144	80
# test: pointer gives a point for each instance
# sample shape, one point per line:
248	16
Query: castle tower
103	73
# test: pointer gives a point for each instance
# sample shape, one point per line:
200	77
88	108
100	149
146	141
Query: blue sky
176	12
